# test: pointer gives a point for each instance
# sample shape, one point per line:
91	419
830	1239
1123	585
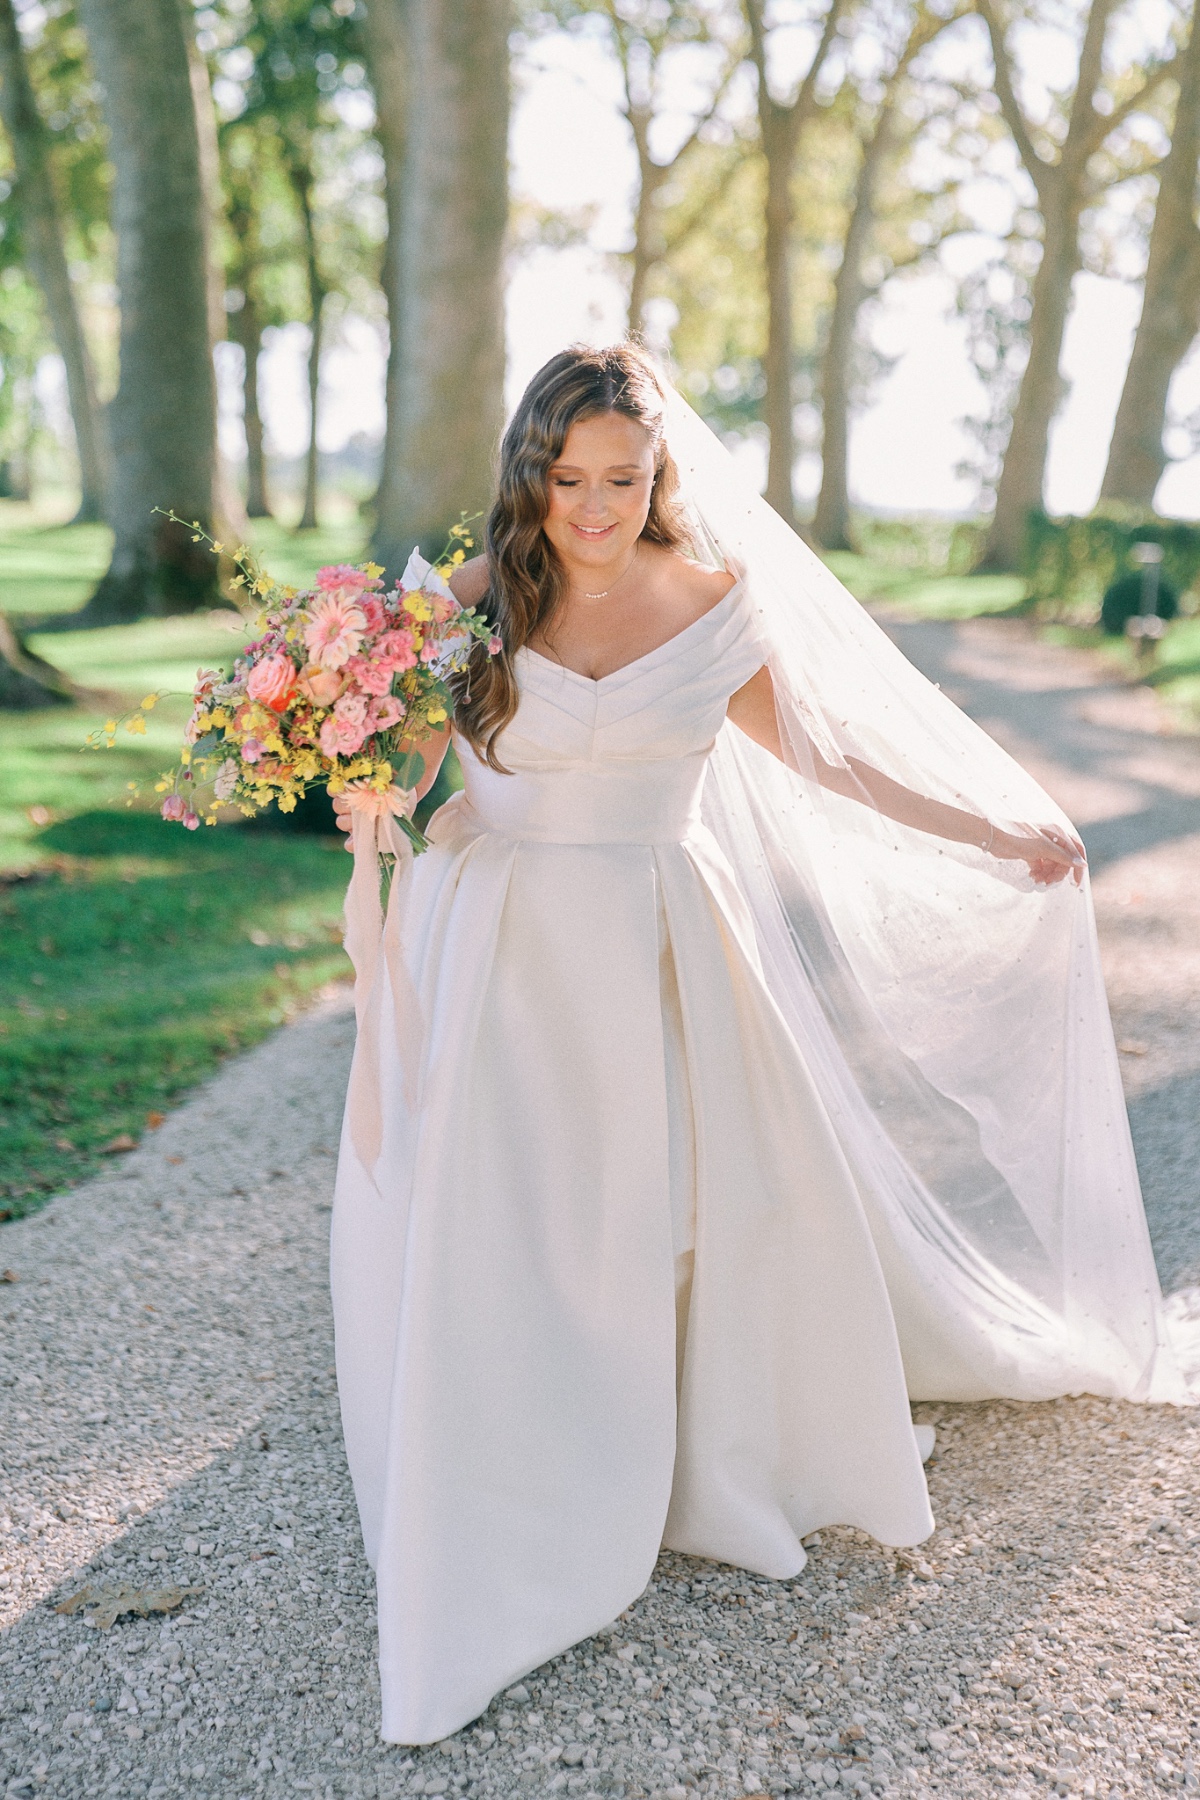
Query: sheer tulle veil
952	1013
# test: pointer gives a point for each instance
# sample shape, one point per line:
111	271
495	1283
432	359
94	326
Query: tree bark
44	247
781	126
387	58
1170	305
831	524
1019	490
229	512
448	300
300	172
248	327
163	419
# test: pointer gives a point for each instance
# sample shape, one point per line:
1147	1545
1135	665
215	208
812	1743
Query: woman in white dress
627	1248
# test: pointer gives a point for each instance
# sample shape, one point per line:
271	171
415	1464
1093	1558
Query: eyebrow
612	469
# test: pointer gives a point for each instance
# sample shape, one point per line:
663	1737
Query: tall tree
882	135
1062	166
647	37
163	418
1170	303
387	61
298	51
781	123
45	250
246	320
447	373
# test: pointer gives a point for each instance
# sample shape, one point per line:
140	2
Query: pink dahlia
334	631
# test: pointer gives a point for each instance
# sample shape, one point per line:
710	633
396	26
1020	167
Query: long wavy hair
527	579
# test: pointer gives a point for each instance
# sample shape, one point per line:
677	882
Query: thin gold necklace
605	592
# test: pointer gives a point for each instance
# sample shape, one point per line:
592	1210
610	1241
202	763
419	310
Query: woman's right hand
345	820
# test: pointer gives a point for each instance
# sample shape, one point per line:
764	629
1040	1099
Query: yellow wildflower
136	725
436	715
150	702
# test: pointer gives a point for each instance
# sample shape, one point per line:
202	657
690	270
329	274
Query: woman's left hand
1050	852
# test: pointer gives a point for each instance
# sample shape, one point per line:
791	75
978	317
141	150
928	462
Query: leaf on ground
9	1275
154	1120
116	1145
112	1603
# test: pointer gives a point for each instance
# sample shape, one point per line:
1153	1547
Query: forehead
606	440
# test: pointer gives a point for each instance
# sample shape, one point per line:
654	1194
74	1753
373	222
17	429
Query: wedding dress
604	1174
698	1120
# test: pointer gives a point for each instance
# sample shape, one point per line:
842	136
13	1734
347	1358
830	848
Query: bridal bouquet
341	681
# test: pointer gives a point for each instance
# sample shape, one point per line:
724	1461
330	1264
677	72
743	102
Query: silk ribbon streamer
375	833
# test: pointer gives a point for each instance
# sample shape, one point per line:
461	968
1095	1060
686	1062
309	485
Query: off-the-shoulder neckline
598	681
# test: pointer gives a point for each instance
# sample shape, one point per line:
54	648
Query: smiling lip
594	532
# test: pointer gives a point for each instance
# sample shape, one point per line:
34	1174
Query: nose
592	502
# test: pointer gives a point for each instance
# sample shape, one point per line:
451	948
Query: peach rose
321	686
273	682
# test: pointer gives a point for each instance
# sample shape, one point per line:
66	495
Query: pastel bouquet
339	687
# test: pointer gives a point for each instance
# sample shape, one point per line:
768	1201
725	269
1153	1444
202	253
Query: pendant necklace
605	592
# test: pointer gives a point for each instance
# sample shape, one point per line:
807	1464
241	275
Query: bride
734	1068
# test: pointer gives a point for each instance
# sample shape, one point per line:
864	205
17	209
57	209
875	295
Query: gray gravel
166	1380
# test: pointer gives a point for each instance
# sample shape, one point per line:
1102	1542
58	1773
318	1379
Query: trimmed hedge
1070	563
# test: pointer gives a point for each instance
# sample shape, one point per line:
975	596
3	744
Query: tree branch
1039	170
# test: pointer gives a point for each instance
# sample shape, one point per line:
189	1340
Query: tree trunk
28	683
229	512
1019	490
448	300
831	526
781	127
1170	306
300	170
779	148
44	248
249	332
163	419
646	249
385	23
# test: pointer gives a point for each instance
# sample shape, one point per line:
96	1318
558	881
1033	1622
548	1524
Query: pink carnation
372	611
398	648
253	751
385	713
342	737
334	631
374	674
351	709
344	578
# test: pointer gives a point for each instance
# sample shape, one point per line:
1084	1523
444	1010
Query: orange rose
273	682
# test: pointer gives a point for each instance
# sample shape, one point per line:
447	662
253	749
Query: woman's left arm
1050	852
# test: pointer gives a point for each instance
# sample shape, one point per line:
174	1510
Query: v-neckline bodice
638	662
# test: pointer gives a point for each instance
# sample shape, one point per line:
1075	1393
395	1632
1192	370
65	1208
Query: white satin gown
607	1283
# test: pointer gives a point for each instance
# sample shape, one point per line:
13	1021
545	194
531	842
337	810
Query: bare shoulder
691	587
469	582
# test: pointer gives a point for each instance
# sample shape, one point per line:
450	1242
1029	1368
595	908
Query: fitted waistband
601	803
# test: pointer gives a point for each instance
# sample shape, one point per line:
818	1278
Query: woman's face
599	492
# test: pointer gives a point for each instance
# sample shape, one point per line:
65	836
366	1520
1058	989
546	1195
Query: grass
131	962
133	955
924	596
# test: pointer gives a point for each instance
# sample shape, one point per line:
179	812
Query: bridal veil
952	1013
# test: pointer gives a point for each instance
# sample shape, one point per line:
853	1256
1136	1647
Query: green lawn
134	955
130	963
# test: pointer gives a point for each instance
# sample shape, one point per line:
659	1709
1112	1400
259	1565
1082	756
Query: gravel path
170	1418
